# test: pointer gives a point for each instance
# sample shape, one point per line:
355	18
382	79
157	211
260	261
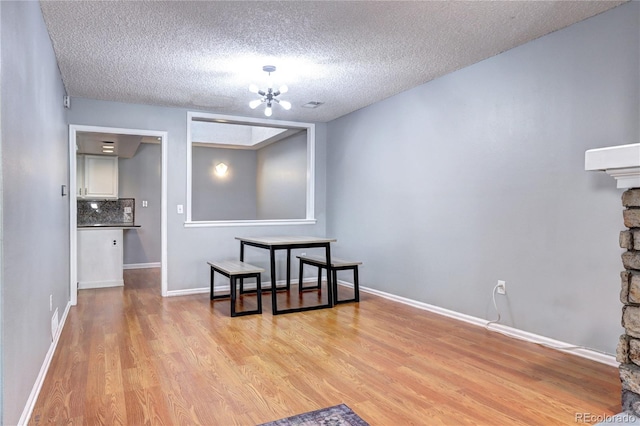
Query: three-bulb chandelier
269	96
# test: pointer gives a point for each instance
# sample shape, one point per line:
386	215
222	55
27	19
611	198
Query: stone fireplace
623	163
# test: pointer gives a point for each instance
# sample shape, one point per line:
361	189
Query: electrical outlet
502	287
180	209
50	302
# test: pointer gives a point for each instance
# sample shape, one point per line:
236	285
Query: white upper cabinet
80	190
98	175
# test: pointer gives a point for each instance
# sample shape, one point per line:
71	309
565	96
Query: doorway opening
88	141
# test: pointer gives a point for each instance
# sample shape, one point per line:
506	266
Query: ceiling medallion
269	96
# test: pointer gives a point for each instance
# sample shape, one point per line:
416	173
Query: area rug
339	415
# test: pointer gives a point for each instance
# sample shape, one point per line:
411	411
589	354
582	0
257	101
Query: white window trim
311	164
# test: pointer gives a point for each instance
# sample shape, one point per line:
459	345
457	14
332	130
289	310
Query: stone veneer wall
628	353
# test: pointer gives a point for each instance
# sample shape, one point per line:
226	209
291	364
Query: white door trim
73	220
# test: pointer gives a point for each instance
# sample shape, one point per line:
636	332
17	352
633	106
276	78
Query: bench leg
259	293
318	285
213	296
233	292
234	284
356	285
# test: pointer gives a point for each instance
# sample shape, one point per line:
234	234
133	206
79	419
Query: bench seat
234	269
336	265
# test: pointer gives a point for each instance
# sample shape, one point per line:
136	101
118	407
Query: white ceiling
124	146
204	54
236	136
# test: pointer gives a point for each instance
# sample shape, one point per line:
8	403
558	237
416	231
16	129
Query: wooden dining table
289	243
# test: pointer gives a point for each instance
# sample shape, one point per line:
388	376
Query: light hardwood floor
129	356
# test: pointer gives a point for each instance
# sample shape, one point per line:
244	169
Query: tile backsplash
92	212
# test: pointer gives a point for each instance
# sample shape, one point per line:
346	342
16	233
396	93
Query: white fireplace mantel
622	162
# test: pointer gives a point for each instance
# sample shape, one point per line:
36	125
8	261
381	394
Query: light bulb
254	104
283	88
267	111
286	105
221	169
253	88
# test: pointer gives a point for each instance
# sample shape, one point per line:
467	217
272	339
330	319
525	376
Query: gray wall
282	179
190	248
479	176
232	197
35	221
139	177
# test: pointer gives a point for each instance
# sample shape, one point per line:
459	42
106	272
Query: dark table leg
330	283
232	282
211	280
274	295
288	269
242	260
300	274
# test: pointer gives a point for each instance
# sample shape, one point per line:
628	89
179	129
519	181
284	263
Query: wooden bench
336	265
234	269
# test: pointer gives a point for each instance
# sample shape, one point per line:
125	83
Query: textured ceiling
204	54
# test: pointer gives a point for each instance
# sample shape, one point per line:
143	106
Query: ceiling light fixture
108	148
269	96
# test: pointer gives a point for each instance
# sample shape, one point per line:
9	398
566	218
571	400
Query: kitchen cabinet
80	176
100	258
97	176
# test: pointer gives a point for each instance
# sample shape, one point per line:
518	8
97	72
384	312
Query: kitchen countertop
108	225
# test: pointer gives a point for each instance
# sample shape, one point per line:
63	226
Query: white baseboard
141	265
189	292
37	386
500	328
85	285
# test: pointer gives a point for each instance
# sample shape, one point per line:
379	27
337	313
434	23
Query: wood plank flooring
128	356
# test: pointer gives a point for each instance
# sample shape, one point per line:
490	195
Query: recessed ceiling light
108	147
312	104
